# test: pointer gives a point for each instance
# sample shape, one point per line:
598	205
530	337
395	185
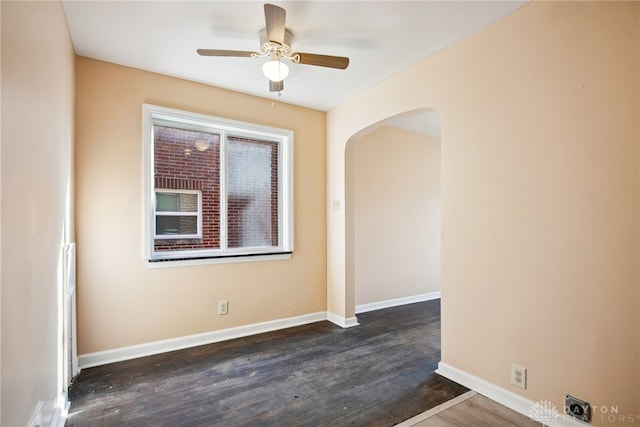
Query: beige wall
121	302
394	177
540	203
540	197
37	133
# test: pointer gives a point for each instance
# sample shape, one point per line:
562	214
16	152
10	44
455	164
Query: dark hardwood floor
376	374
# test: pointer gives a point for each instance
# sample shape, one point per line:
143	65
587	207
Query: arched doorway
392	203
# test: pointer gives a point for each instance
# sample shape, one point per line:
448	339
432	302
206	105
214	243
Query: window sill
168	263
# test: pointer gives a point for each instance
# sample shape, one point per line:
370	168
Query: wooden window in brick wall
215	188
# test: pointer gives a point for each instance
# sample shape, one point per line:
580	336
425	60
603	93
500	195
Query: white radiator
70	310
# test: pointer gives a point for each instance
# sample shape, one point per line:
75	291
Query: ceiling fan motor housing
269	46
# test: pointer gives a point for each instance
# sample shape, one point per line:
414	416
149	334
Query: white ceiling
380	37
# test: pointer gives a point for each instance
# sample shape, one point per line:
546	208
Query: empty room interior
440	202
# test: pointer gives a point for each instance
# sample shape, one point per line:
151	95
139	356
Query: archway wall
392	204
540	197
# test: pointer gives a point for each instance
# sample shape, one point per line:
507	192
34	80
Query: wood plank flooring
377	374
471	409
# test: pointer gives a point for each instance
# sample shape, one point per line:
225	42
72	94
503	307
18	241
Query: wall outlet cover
519	376
223	307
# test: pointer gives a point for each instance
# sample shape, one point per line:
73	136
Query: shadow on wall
393	211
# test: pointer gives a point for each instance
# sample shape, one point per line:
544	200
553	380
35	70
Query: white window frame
153	114
197	214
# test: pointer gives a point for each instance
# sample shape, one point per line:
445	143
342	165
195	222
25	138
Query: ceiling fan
275	43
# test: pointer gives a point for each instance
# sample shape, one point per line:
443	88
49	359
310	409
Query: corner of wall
638	145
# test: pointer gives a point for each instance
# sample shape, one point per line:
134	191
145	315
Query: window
178	214
215	188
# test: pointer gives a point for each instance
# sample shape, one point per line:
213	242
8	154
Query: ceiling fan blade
275	17
276	86
218	52
339	62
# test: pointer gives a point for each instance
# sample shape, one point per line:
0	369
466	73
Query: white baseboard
504	397
36	417
61	412
132	352
343	322
363	308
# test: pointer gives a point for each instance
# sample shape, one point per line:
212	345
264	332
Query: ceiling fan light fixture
275	44
275	70
201	144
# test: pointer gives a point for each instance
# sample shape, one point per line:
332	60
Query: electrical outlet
518	376
223	306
